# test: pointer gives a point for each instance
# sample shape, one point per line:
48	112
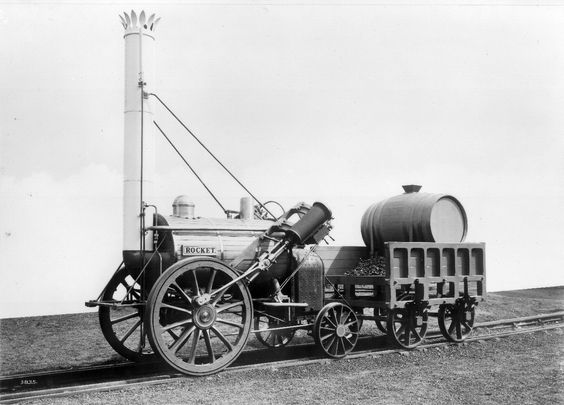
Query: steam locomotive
192	290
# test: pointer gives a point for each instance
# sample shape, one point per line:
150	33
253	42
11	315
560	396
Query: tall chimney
139	137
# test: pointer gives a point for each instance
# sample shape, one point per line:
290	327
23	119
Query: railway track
49	384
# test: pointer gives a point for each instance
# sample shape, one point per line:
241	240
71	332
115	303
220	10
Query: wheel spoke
124	318
171	333
342	342
192	354
130	331
163	305
135	293
196	286
451	327
218	296
334	345
333	313
207	339
180	291
181	341
222	338
458	330
327	336
229	306
225	321
334	325
142	337
401	329
130	289
211	280
328	345
344	315
175	325
407	335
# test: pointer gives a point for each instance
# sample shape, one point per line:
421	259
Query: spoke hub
340	331
204	317
203	299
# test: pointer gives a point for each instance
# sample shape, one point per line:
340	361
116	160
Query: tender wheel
336	329
275	338
456	321
122	326
194	323
380	323
407	326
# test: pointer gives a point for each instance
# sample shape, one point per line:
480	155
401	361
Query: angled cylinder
309	224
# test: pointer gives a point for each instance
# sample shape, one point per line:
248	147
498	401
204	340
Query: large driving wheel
197	320
407	326
336	329
122	325
272	338
456	321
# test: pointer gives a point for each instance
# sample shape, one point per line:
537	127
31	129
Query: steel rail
160	373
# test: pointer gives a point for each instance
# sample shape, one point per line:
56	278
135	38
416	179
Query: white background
303	101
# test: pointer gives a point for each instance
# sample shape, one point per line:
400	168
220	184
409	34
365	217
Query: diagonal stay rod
190	167
212	155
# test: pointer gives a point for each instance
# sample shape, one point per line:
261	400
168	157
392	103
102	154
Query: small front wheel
122	319
336	330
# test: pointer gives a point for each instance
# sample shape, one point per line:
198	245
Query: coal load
374	266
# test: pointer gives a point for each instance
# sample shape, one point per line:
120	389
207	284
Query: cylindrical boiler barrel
414	217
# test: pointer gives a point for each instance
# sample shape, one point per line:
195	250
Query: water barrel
414	217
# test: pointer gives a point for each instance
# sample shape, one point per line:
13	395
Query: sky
304	101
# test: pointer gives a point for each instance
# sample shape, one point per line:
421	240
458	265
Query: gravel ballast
524	369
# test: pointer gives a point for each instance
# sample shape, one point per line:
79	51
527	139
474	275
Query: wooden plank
342	252
339	259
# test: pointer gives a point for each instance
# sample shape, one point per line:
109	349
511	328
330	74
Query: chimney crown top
133	23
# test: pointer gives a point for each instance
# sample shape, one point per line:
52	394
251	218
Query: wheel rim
122	326
192	327
336	330
407	326
274	339
456	321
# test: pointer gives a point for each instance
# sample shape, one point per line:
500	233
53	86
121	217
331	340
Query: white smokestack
139	137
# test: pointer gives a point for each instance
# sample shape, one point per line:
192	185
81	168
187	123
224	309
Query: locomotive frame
198	314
